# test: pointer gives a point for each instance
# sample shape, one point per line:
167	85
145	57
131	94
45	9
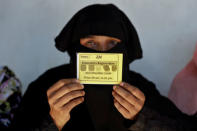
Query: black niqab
100	19
105	20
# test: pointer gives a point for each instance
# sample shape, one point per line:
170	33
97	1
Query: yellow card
99	68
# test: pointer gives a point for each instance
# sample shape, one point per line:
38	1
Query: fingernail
82	86
83	93
114	87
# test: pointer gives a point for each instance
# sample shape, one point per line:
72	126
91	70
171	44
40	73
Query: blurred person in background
183	91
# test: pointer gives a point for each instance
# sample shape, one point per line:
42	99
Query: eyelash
91	43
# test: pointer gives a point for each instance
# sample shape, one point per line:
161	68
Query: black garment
107	20
158	112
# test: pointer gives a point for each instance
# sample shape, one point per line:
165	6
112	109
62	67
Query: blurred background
167	30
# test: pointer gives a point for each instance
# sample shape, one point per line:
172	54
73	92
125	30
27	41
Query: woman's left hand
128	100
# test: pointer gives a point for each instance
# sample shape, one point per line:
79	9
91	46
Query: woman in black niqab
101	20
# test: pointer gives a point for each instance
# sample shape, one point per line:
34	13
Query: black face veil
106	20
100	20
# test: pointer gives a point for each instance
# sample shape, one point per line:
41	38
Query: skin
66	94
99	43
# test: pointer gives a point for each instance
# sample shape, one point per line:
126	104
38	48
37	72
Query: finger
135	91
128	96
69	106
121	109
61	83
68	97
123	102
64	90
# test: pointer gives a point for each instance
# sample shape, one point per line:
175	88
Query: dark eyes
113	43
100	46
91	43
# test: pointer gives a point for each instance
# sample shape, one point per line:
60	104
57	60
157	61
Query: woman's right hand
63	96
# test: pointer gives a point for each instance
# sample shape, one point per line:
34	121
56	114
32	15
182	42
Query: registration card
99	68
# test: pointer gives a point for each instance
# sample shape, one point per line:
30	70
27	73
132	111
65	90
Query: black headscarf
105	20
100	19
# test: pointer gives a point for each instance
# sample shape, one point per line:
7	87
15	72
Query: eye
112	43
91	44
